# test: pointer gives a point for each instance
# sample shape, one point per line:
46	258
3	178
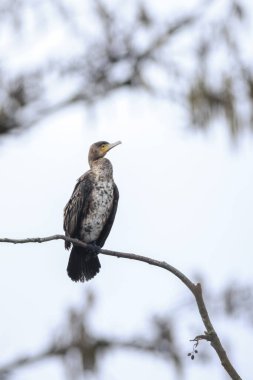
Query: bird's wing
108	225
77	206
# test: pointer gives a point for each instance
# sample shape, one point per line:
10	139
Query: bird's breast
99	209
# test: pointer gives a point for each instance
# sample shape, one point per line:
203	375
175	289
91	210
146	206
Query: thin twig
201	337
195	289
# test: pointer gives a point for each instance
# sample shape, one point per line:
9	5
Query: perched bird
90	213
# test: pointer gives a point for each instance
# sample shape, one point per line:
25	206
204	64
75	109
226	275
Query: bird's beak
110	146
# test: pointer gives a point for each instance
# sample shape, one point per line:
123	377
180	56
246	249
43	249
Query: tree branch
196	290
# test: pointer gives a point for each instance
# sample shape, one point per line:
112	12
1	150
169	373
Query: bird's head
99	150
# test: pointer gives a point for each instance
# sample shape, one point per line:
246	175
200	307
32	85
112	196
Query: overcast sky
185	197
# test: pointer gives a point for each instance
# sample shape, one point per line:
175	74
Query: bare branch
196	290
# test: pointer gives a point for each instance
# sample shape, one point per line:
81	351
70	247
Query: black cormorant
90	213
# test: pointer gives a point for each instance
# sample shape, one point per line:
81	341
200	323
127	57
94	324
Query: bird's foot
93	250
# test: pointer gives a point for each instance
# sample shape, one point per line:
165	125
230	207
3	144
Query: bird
90	212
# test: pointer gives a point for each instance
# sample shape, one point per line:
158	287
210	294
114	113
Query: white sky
184	197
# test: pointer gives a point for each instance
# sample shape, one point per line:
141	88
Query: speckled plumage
89	215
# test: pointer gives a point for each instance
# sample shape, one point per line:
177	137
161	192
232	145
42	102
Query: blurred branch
144	53
90	347
80	349
195	289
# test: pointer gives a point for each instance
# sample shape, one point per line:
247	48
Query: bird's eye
103	147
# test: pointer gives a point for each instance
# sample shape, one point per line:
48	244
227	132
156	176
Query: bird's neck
102	169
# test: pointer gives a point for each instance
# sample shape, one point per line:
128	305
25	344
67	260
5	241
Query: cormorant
90	213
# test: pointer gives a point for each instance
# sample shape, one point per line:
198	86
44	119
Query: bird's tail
82	265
